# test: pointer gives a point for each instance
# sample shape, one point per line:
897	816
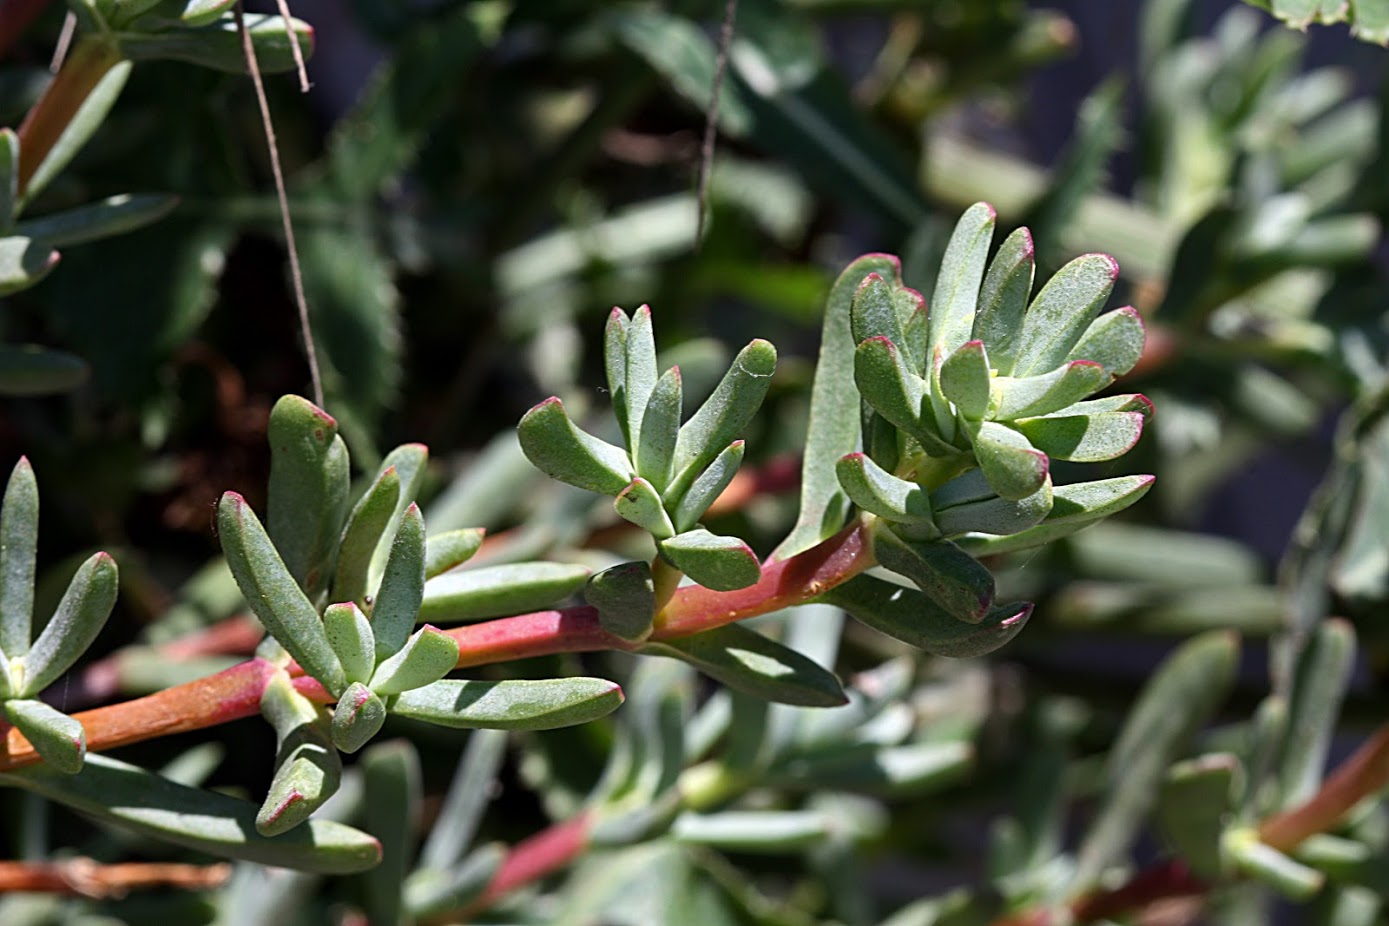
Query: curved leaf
908	615
749	662
510	705
491	591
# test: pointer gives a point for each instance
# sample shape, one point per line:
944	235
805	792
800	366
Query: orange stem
89	62
86	878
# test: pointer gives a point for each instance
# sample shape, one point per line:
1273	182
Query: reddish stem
543	633
43	125
542	854
1365	772
86	878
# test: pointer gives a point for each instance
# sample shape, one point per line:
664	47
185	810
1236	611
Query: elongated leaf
393	799
431	890
1003	300
111	216
511	705
1050	392
749	662
398	600
1266	864
874	313
708	487
775	831
467	800
1191	809
1114	340
949	576
56	737
28	370
1015	469
721	563
366	525
895	392
615	366
914	769
205	821
1062	311
1178	699
491	591
218	46
273	594
19	534
625	597
833	430
1072	507
410	462
1323	674
357	718
877	491
956	296
557	447
640	503
23	263
908	615
9	177
75	624
308	489
998	516
308	768
966	381
443	552
723	416
349	633
1084	438
660	429
425	658
642	372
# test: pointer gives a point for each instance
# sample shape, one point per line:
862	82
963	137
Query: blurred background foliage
475	184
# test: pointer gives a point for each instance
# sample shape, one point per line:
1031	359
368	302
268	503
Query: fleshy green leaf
999	516
29	370
205	821
1072	507
432	890
511	705
1012	465
308	488
749	662
1003	300
1323	674
218	46
557	447
949	576
1050	392
491	591
427	656
114	215
398	600
956	296
308	767
365	526
723	416
615	366
908	615
272	592
965	379
58	739
915	769
1192	809
1084	438
721	563
874	312
393	799
19	532
1062	311
75	624
642	372
833	429
357	718
349	633
202	12
877	491
443	552
895	392
1115	340
660	429
625	598
468	798
1266	864
640	503
9	177
774	831
23	263
708	487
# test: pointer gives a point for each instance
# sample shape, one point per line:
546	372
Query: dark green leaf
491	591
308	768
29	370
909	616
510	705
721	563
895	392
998	516
1193	806
218	46
877	491
749	662
1322	676
557	447
949	576
81	614
111	216
1072	507
874	312
723	416
19	534
625	598
9	177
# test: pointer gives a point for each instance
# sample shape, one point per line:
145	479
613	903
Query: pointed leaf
1050	392
1133	402
1266	864
708	487
895	392
874	312
357	718
660	429
965	379
833	429
1192	809
273	594
433	890
1003	299
640	504
1062	311
998	516
349	633
75	624
556	447
721	563
773	831
511	705
1115	340
308	488
23	263
956	295
58	739
1012	465
908	615
1084	438
642	372
428	656
114	215
492	591
1323	674
19	532
1072	507
393	811
749	662
9	177
949	576
398	600
468	798
625	598
877	491
308	767
366	525
218	46
443	552
615	367
29	370
723	416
